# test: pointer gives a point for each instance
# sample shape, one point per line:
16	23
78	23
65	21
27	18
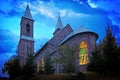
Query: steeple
26	42
27	13
59	25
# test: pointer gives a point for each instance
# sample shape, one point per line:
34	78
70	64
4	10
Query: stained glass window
83	53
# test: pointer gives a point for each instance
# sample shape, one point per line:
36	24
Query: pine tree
29	69
48	65
96	61
111	54
106	58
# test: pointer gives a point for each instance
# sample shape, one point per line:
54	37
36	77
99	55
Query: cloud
2	12
51	10
8	41
92	5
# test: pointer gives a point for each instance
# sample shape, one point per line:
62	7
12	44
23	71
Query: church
63	35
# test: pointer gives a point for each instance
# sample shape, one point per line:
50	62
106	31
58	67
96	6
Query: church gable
54	42
62	34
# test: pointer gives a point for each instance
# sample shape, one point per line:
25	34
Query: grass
96	76
88	76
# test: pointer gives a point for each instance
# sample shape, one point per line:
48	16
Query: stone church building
63	35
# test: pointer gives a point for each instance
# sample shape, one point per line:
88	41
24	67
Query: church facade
85	39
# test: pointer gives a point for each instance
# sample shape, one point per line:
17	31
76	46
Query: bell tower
26	42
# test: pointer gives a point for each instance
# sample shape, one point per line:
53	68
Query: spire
59	24
27	13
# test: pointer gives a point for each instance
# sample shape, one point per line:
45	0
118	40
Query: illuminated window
43	63
83	53
38	66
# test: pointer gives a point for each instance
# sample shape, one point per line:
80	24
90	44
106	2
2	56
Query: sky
91	14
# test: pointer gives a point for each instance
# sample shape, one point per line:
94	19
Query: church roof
59	24
27	13
77	31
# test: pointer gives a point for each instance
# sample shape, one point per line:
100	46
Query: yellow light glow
83	53
43	63
38	66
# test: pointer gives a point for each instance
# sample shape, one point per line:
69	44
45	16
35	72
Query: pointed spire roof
27	13
59	24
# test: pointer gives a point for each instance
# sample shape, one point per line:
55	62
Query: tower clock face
28	28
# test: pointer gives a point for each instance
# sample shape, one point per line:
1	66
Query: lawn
87	75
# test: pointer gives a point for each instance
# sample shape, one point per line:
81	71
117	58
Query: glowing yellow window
83	53
43	63
38	66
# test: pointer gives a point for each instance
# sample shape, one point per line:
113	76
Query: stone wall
89	38
54	42
22	50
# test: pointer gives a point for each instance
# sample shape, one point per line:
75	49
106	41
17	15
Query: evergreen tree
12	67
111	52
29	69
106	58
48	66
96	60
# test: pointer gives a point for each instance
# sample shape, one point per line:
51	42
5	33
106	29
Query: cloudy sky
91	14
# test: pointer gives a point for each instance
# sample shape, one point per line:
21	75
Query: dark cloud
2	12
10	13
8	41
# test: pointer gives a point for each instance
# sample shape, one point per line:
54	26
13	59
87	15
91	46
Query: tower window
28	28
83	53
28	49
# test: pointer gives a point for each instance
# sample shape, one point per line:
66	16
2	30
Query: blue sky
91	14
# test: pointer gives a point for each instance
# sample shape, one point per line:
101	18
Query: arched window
28	28
83	53
28	48
38	66
43	63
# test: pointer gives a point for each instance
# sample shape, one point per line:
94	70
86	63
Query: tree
67	58
12	67
106	57
29	69
48	66
111	52
96	60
